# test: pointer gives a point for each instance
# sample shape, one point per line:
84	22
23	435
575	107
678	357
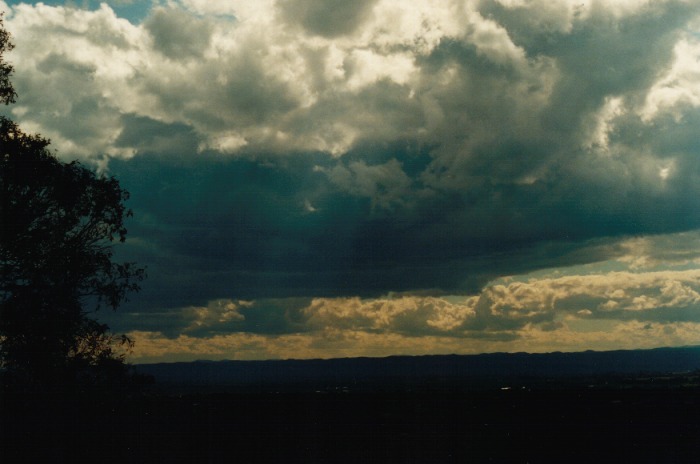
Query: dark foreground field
570	422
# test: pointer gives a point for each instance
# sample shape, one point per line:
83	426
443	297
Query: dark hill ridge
424	371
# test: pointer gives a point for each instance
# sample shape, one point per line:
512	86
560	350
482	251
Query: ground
633	419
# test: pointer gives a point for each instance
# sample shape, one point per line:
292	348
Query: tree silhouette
58	224
7	92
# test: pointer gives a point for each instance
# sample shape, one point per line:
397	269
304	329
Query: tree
58	224
7	92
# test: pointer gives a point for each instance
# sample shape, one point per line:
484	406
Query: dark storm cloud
146	135
308	225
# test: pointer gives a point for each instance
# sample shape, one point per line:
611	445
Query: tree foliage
7	92
58	224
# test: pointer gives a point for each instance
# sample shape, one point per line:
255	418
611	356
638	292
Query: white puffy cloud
594	295
679	87
216	314
72	69
403	314
294	75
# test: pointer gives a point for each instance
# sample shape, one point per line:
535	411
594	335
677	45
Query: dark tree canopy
7	92
58	224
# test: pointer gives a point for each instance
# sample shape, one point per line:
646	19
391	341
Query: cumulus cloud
216	314
678	90
659	296
477	81
327	19
623	295
609	310
414	315
178	35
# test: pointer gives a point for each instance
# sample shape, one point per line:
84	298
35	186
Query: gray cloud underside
311	225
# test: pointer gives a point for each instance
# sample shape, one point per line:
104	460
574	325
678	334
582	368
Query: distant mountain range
409	372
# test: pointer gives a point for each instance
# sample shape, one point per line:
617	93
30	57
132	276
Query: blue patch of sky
132	10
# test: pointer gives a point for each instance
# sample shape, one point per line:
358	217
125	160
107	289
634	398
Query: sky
323	179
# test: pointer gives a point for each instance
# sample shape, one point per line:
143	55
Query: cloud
345	150
74	67
678	89
215	227
141	134
648	296
216	313
384	184
467	79
503	308
328	19
574	312
661	296
662	251
178	35
408	315
154	347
